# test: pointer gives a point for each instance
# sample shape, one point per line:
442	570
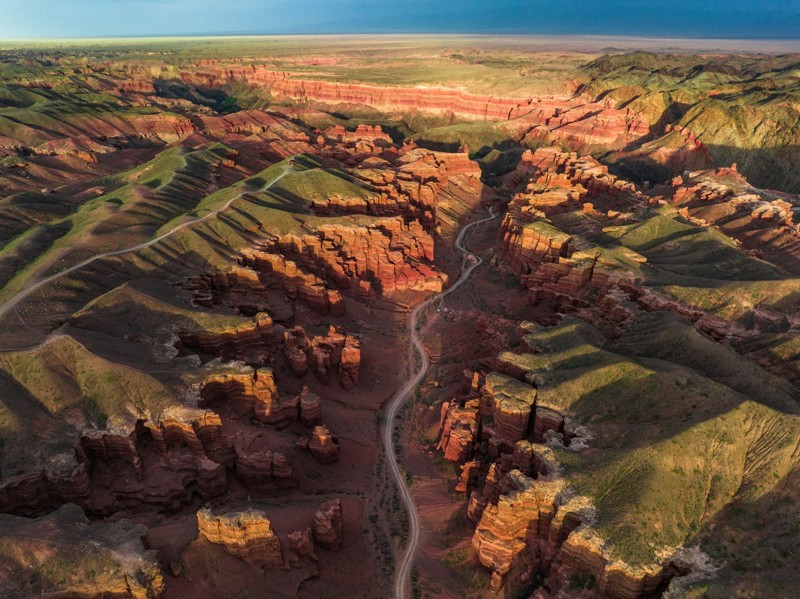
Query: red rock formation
573	120
350	362
199	430
270	125
296	347
247	534
388	99
583	554
470	473
301	542
533	459
340	135
678	150
250	391
323	445
549	265
591	126
334	352
528	244
510	403
238	287
326	353
458	428
328	524
75	133
552	178
106	472
525	527
67	479
64	479
243	341
392	254
297	284
310	410
763	221
259	467
412	182
106	445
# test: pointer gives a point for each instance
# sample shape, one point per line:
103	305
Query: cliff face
248	340
389	253
458	430
574	120
296	283
106	473
535	525
387	99
247	534
251	392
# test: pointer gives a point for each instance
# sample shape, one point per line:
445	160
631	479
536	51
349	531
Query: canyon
501	324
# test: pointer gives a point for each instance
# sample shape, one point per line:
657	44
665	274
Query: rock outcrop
510	403
389	252
324	445
246	341
296	282
525	527
458	430
260	467
328	524
336	353
247	534
250	391
310	409
302	543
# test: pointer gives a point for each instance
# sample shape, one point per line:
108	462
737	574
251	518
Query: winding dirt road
402	586
12	302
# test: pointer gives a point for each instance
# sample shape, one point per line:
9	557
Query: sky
760	19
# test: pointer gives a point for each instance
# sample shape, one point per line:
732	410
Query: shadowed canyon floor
259	337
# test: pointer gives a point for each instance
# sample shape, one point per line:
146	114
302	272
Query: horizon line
497	34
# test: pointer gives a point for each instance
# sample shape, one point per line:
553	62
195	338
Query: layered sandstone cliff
250	391
246	534
573	120
296	283
388	252
105	473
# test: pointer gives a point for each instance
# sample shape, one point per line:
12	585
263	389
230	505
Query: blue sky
669	18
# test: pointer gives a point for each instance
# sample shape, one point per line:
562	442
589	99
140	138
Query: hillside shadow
215	98
771	168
